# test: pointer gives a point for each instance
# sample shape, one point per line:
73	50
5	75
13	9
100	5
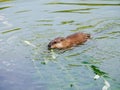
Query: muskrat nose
88	35
49	47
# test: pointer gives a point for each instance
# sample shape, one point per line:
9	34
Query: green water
26	28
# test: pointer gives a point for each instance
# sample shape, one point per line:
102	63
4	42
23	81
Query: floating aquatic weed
47	20
44	24
15	29
71	85
92	61
102	37
29	43
5	7
43	62
23	11
53	54
67	22
5	0
106	86
106	83
114	32
96	77
85	4
82	10
97	71
101	74
72	55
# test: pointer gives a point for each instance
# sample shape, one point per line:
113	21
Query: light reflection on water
26	27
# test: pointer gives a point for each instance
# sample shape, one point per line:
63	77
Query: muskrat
69	41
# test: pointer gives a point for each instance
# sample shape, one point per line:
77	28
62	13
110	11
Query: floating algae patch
11	30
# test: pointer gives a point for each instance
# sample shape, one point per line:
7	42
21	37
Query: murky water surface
26	27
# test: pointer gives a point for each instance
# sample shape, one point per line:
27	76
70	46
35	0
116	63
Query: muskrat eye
62	39
54	42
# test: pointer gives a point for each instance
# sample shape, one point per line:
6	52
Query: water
27	26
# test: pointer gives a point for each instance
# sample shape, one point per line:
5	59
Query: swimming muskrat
69	41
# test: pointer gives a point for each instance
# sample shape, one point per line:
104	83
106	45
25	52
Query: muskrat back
78	38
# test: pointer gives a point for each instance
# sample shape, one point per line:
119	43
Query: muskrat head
56	43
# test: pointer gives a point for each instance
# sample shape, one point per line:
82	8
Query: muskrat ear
62	39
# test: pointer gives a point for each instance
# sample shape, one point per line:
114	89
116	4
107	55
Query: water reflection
4	21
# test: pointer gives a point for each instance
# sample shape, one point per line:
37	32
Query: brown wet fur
69	41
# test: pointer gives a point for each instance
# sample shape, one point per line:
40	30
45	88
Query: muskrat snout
49	46
54	42
89	36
